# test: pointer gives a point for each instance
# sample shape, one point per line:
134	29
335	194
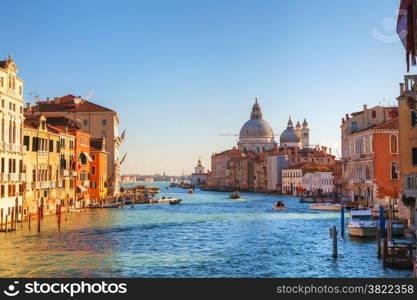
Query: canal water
208	235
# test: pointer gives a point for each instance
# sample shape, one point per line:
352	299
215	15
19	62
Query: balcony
65	173
4	177
8	147
86	183
22	177
74	173
14	177
16	148
42	153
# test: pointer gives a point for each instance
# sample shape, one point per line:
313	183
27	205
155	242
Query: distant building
318	183
199	177
275	165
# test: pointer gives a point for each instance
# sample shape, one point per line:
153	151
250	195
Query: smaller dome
289	136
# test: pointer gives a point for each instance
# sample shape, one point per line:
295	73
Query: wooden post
342	219
21	216
16	214
6	223
39	219
123	202
385	253
1	219
415	268
378	242
12	219
133	199
333	235
59	216
29	217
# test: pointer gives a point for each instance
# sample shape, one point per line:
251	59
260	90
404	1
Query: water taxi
235	195
361	223
279	205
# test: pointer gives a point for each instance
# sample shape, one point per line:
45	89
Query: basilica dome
256	128
256	134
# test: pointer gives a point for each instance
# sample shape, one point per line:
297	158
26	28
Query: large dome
256	134
255	129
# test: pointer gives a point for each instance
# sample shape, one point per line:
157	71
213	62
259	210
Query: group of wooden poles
9	225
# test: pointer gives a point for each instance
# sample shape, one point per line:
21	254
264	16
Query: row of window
12	165
12	84
12	190
103	122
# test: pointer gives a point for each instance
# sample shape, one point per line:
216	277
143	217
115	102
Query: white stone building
12	175
292	179
318	183
199	177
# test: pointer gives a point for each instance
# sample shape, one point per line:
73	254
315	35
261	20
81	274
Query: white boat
361	223
325	206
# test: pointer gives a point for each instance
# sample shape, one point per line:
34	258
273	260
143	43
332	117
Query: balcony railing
65	173
14	177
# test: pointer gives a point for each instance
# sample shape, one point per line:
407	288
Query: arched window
394	171
394	144
373	114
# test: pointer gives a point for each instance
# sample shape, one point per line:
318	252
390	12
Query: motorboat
190	191
279	205
235	195
361	223
175	201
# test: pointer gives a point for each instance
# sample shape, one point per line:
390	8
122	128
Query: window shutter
413	118
35	144
414	156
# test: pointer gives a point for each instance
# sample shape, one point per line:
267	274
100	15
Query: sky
181	73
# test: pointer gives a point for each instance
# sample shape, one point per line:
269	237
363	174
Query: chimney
347	117
365	107
28	107
47	100
343	120
401	89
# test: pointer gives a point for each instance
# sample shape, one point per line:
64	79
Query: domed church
295	137
256	134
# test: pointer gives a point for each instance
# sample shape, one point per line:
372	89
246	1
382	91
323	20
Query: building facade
97	121
45	153
370	155
98	170
11	151
407	102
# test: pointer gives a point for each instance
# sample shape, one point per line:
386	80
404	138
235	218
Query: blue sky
179	73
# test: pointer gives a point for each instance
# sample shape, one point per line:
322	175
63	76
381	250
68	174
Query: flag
123	158
405	30
122	137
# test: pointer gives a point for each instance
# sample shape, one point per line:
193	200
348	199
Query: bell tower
305	135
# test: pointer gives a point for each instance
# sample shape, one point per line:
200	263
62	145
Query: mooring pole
382	221
39	219
342	221
6	224
333	235
59	216
378	241
29	217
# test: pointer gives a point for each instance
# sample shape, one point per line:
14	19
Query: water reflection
208	235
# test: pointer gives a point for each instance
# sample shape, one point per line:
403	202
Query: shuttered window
414	156
413	118
35	143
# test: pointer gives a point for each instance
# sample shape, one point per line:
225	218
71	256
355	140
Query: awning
80	188
89	159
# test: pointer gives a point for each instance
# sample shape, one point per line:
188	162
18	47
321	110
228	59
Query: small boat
172	184
361	223
235	195
279	205
326	206
175	201
190	191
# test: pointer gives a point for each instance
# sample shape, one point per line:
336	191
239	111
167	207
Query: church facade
256	164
